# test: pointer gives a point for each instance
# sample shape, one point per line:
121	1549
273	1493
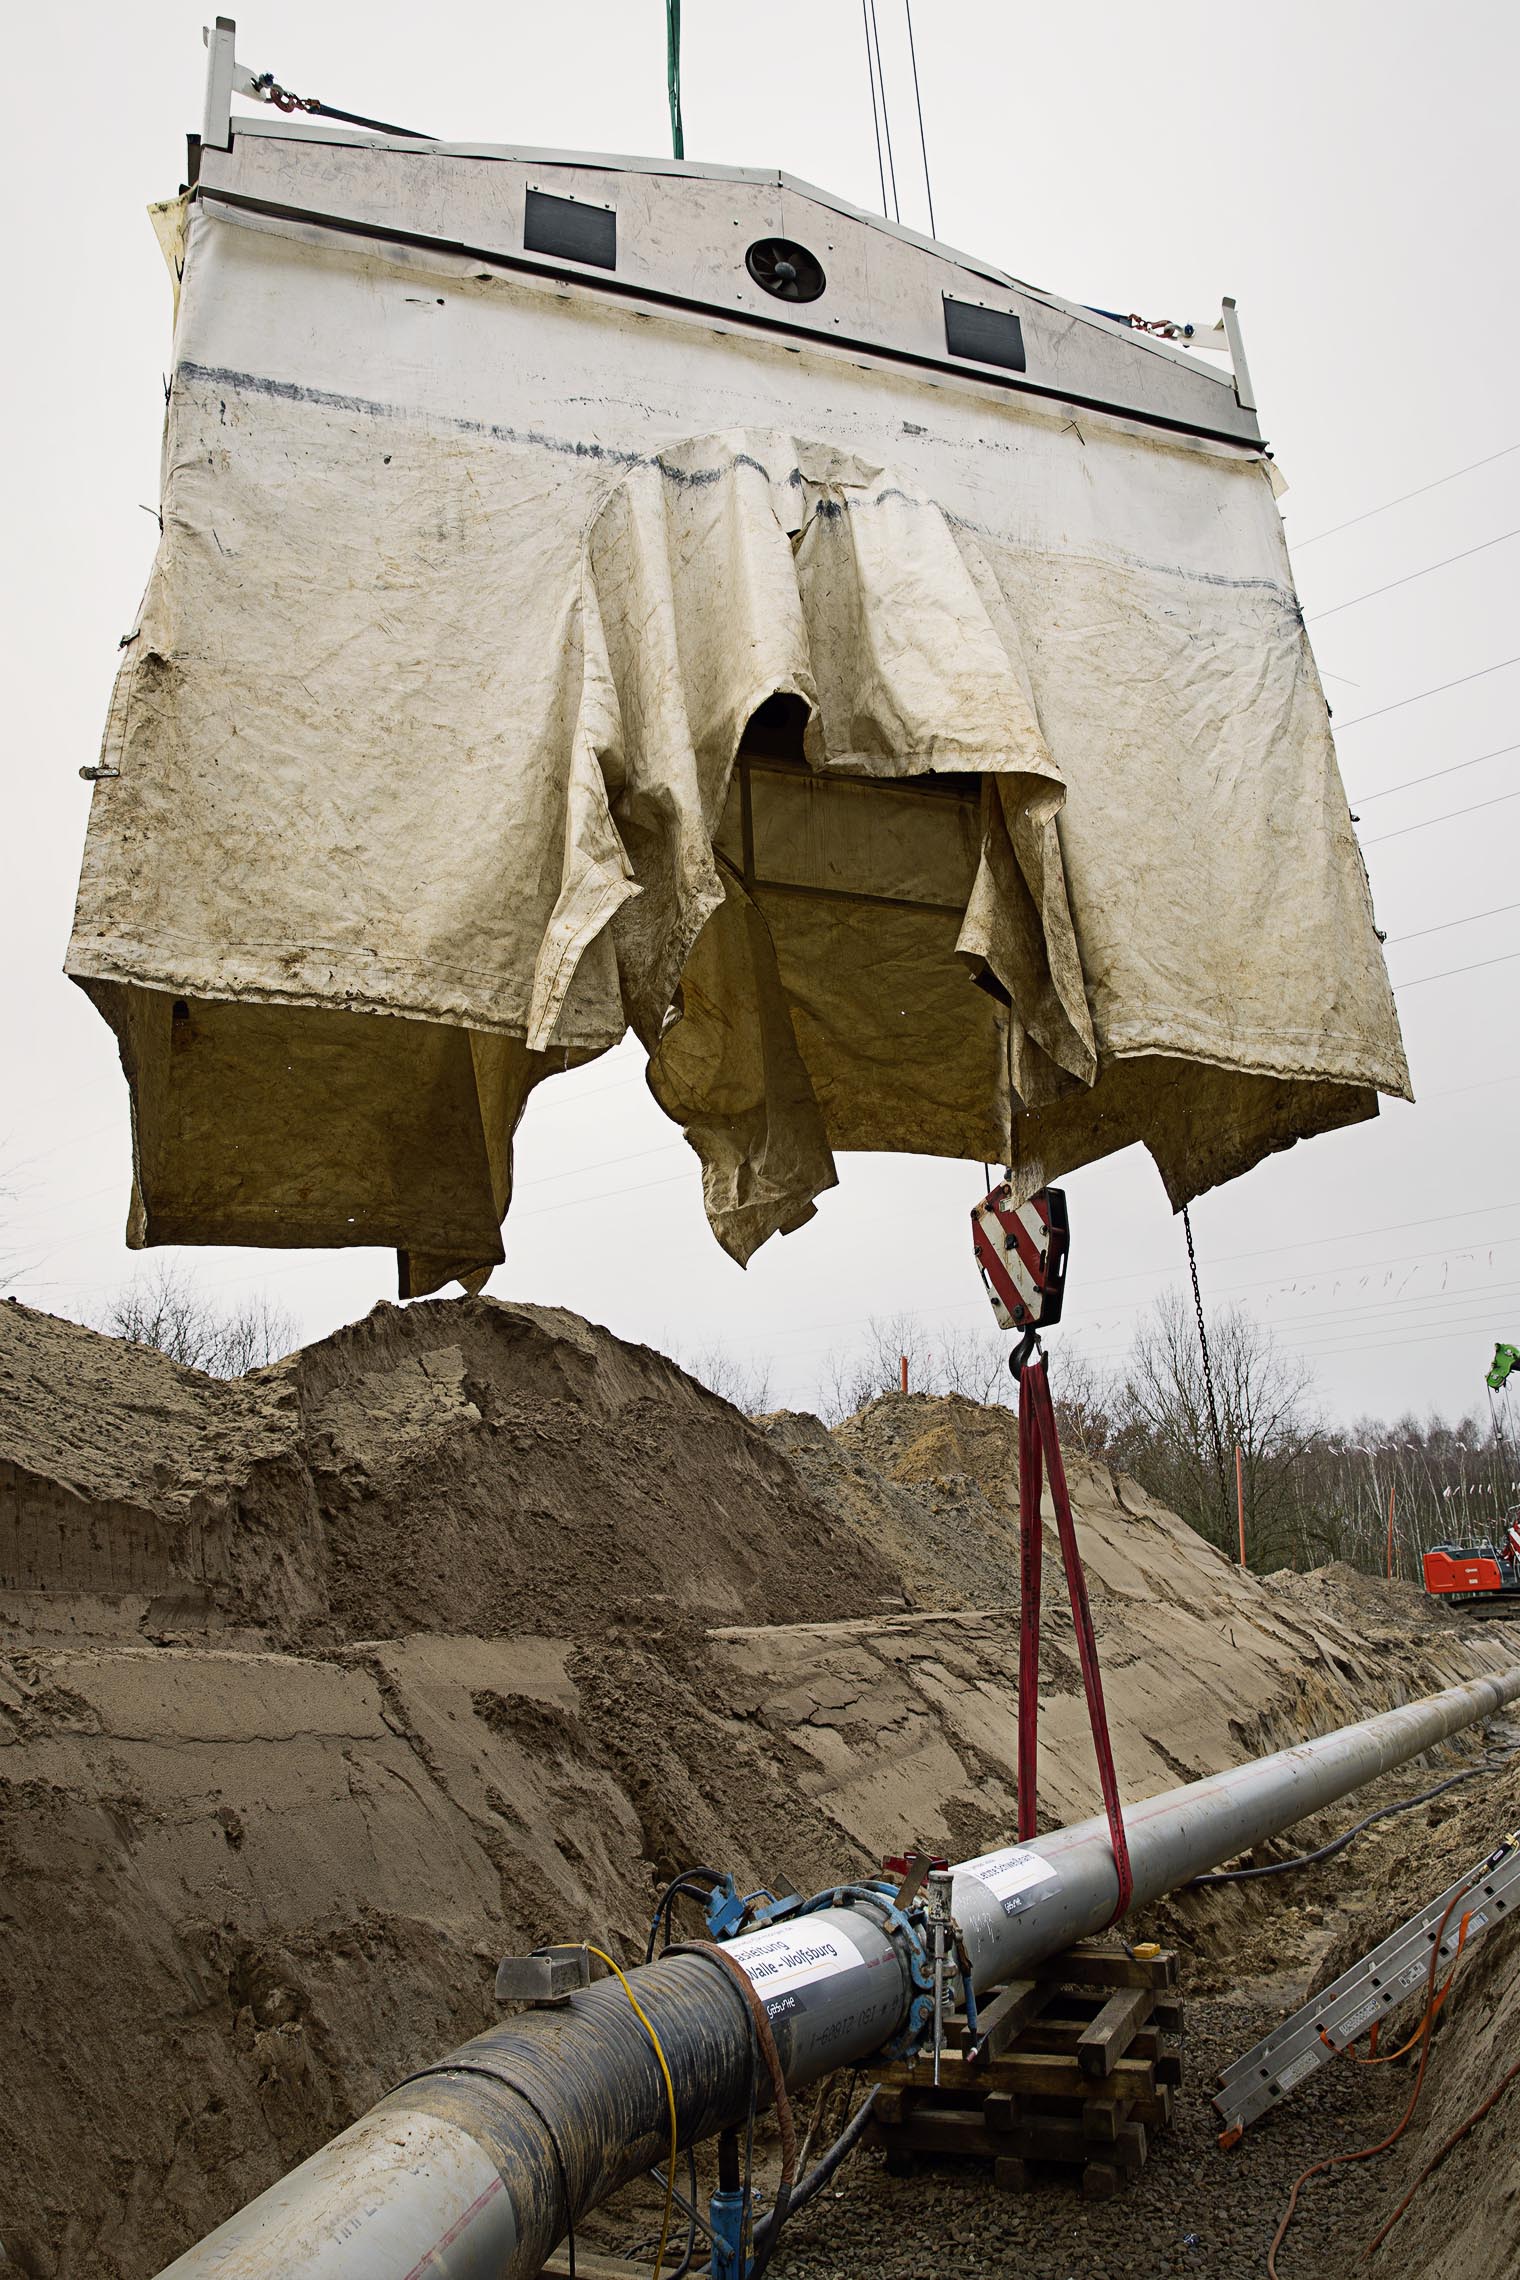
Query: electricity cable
785	2123
1336	1844
1366	2152
1365	799
1420	695
670	2099
1449	816
919	107
1446	924
825	2166
1447	974
1372	592
1404	497
1441	2152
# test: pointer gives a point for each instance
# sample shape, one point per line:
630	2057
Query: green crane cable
673	76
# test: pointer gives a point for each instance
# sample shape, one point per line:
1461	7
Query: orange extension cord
1433	2000
1440	2154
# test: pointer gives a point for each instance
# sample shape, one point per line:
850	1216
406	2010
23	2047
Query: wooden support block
1167	2015
1100	2120
1113	2030
1009	2174
1004	2013
890	2108
1157	2108
999	2110
1169	2069
1109	1967
1058	2074
592	2267
941	2130
1100	2181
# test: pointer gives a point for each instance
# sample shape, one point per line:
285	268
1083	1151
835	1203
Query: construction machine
1481	1577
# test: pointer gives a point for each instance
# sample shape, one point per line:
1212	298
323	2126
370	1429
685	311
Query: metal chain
1203	1347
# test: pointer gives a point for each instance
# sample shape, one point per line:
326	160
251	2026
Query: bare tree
1166	1430
947	1359
163	1308
746	1384
1088	1402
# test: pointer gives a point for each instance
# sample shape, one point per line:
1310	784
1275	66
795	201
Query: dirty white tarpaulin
421	769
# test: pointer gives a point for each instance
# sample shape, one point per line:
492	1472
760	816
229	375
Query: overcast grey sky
1344	169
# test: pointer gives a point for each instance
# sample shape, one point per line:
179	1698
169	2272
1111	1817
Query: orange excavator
1482	1578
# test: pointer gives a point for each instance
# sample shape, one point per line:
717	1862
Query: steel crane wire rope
670	2099
1422	2036
1314	616
886	116
267	89
923	145
881	171
1203	1348
1404	497
1420	695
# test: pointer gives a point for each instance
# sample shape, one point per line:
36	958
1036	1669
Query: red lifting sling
1040	1447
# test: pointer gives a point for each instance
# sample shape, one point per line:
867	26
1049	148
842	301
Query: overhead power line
1446	924
1505	958
1365	799
1448	816
1409	578
1404	497
1421	694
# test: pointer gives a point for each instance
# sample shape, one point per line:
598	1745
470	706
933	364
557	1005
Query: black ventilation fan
786	270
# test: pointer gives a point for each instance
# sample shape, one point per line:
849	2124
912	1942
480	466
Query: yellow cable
670	2099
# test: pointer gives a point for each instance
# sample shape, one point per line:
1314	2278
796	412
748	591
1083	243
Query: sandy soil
466	1628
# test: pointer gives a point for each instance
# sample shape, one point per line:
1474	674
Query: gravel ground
1193	2210
1248	1957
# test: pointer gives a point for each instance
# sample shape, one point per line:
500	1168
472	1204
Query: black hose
1336	1844
814	2182
685	1882
693	2215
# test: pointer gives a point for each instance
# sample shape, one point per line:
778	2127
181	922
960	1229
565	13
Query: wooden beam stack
1070	2069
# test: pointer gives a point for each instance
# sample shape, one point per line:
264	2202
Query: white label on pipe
1012	1876
794	1955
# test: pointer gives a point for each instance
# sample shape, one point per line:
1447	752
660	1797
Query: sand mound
464	1466
462	1630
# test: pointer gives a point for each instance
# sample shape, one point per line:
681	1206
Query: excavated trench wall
464	1629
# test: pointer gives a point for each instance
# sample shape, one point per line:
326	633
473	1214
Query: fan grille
785	270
